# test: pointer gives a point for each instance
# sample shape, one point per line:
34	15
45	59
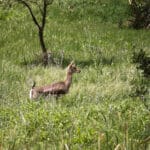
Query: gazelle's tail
34	83
31	91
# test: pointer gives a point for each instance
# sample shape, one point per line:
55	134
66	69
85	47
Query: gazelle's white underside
30	94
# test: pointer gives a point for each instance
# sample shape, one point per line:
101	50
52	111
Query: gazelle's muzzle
78	70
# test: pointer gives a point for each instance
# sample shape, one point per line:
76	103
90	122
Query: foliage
143	62
142	82
140	11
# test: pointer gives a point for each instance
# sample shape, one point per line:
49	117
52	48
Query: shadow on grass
81	63
88	62
65	61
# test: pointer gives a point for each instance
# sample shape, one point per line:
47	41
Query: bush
140	11
143	62
141	83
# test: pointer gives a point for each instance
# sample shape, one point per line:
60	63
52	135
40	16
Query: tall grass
98	112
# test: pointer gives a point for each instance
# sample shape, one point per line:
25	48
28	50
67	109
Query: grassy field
100	111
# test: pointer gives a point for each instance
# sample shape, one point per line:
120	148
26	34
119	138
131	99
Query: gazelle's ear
72	62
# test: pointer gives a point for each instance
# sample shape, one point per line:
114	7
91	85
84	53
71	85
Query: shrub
141	83
140	11
143	62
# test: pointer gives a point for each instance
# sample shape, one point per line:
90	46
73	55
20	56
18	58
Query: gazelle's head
72	68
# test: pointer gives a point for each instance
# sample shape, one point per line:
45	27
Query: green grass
99	111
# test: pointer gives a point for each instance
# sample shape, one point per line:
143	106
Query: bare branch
44	13
31	12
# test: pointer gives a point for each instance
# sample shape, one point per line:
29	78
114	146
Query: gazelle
57	88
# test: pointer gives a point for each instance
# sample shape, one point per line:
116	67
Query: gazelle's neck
68	80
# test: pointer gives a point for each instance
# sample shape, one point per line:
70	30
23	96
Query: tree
41	6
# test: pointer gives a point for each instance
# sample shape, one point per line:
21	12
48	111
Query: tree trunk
44	50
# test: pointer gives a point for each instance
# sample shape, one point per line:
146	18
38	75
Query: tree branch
44	13
31	12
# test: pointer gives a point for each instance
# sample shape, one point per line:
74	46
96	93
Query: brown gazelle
57	88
